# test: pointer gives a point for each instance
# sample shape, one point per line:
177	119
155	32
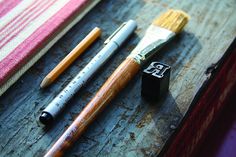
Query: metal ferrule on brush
155	37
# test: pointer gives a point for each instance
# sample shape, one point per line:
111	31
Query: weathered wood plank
129	125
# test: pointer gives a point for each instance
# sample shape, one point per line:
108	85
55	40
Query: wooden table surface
129	126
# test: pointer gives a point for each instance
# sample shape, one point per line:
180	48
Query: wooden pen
111	45
71	57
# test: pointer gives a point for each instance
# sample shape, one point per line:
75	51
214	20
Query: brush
158	34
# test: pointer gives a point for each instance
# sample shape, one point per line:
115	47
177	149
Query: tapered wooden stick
71	57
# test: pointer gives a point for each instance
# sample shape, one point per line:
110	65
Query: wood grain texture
129	125
115	83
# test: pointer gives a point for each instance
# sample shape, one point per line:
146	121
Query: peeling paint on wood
129	126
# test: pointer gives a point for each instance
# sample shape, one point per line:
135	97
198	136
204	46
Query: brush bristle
173	20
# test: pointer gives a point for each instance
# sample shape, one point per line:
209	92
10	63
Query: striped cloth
28	28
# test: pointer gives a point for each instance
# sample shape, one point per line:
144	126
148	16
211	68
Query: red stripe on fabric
7	5
38	39
17	21
23	25
17	17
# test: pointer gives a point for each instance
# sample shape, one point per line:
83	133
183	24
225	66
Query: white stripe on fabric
14	12
11	30
34	25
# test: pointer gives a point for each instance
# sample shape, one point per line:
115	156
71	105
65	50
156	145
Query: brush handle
115	83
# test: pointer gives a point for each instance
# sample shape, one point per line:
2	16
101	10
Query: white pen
111	45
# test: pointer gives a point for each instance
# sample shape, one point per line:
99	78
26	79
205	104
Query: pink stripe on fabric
38	39
7	5
17	22
23	25
13	22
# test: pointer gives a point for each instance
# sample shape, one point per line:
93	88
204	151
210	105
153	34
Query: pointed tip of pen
46	82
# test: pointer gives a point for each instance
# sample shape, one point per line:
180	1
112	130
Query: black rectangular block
155	81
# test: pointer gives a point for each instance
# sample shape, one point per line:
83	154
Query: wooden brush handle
115	83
